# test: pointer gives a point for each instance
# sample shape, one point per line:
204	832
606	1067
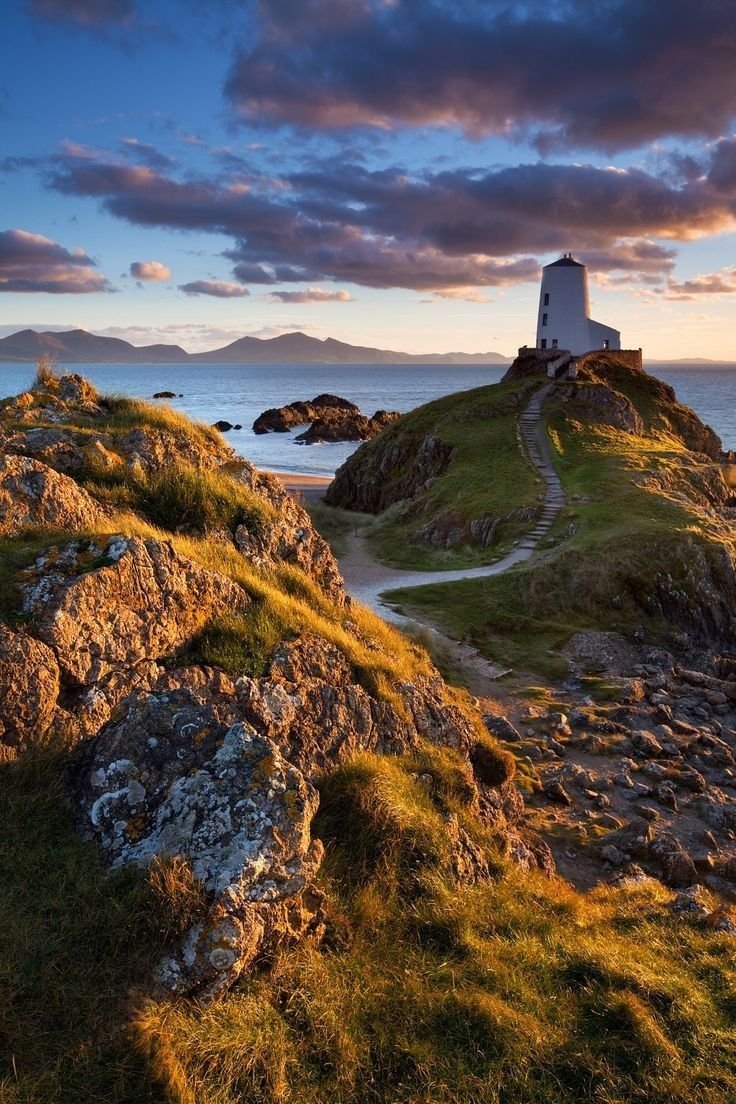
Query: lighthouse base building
564	320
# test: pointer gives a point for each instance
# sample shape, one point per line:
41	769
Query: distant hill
81	347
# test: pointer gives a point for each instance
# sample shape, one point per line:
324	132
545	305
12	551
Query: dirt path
369	581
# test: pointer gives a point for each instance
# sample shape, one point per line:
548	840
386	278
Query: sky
387	172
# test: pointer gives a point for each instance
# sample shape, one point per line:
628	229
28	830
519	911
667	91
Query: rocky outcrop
32	495
450	530
284	418
99	616
599	404
65	424
401	467
332	419
289	537
221	773
345	426
29	687
120	602
42	462
656	400
179	762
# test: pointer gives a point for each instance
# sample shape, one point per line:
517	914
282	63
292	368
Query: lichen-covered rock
33	495
121	602
52	399
29	687
169	780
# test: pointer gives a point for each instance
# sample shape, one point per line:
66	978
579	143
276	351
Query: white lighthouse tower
564	320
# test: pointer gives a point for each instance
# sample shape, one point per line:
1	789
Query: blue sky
388	172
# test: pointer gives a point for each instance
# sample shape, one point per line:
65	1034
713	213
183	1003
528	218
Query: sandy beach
303	483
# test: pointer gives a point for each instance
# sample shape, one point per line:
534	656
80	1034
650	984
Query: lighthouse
564	320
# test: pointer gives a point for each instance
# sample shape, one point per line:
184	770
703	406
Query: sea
239	393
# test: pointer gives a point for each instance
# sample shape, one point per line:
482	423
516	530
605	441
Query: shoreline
301	481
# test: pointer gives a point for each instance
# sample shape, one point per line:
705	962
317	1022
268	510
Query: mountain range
81	347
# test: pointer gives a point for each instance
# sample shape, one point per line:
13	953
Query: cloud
465	228
574	74
466	294
711	283
312	295
150	270
221	289
722	174
32	263
91	14
147	154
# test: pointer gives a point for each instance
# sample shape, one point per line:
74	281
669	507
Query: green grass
611	543
124	414
336	525
517	991
74	942
488	476
181	497
239	643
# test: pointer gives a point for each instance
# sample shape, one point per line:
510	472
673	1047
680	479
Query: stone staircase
532	439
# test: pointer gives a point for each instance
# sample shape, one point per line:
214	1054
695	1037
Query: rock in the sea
33	495
283	418
121	602
29	687
168	779
340	425
223	426
164	394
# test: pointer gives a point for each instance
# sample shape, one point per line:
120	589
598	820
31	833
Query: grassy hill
448	482
645	539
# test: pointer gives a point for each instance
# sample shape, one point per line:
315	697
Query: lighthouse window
544	319
544	342
546	298
554	342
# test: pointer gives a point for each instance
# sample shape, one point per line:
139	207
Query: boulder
164	394
29	687
167	780
223	426
121	602
33	495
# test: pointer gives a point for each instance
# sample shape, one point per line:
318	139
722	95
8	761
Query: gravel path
369	581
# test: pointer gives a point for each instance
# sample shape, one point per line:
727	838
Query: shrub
45	370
